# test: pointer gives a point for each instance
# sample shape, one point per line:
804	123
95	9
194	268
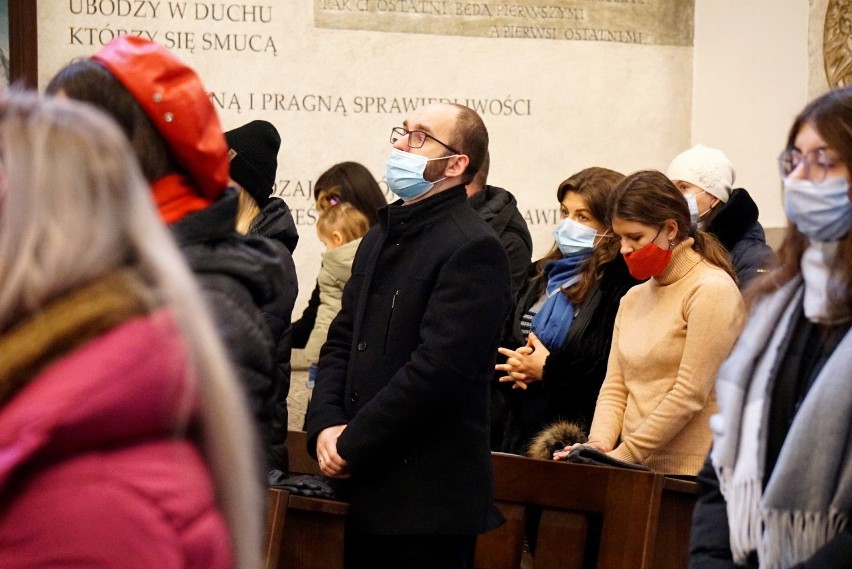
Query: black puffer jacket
499	209
276	222
250	286
736	227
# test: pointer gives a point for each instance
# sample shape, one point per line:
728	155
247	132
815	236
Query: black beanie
254	158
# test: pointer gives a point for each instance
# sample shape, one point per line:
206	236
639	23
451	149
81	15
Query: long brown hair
831	116
353	183
594	185
650	198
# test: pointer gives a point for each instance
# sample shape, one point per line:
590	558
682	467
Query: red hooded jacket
92	473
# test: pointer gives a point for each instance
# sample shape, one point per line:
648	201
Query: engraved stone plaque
654	22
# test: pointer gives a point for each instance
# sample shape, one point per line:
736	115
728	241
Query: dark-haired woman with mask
563	321
777	488
671	333
345	182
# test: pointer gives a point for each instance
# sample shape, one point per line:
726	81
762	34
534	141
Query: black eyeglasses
416	138
817	163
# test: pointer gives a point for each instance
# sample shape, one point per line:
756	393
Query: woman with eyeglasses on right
777	486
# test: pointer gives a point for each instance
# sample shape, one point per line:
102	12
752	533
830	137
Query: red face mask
647	261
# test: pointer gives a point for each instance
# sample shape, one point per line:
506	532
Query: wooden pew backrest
312	532
300	461
591	516
671	550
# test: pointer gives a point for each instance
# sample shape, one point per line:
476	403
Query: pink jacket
91	471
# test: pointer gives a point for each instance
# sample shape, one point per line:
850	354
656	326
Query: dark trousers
366	551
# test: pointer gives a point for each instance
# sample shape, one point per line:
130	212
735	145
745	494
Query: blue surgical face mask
404	174
572	237
692	203
822	211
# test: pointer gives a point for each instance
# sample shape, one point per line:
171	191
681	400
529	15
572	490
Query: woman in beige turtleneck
671	333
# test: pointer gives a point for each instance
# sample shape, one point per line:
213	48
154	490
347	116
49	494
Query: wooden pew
276	513
671	549
299	459
591	516
311	536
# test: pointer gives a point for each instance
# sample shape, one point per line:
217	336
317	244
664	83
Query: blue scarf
551	323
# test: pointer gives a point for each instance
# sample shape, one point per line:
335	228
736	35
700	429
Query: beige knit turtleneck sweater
671	335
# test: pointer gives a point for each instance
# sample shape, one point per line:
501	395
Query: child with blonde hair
340	227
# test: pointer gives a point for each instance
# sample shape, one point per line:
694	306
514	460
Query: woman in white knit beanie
705	172
706	177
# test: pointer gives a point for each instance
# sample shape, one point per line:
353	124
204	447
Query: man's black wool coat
407	366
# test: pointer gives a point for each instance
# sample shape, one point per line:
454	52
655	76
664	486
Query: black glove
591	455
305	485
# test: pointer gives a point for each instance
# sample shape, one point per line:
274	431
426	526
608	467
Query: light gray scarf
808	497
817	263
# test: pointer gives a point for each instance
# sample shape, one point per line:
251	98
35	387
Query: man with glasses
400	407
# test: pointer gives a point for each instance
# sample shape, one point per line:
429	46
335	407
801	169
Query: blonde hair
247	211
344	218
66	162
328	198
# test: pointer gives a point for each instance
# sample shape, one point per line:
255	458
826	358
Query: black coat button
362	345
354	398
